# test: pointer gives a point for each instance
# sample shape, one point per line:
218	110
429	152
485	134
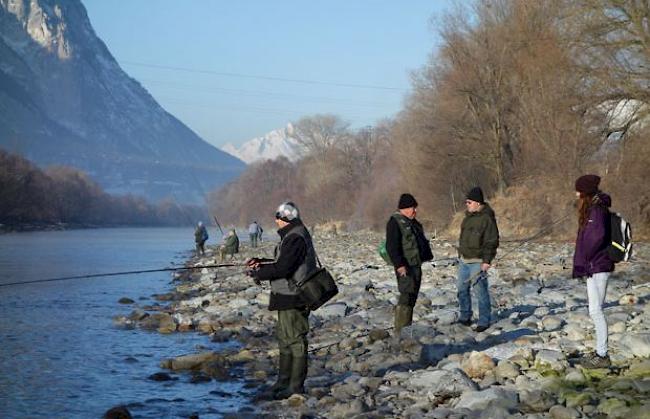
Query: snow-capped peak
270	146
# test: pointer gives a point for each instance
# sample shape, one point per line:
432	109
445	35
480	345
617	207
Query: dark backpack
620	250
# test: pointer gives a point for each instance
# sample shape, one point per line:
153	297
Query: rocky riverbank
522	366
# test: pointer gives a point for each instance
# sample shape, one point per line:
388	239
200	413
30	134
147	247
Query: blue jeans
466	273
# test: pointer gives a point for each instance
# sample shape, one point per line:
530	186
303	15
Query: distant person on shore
260	233
407	248
230	245
591	260
200	237
254	233
295	258
477	247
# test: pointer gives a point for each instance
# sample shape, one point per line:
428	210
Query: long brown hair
586	201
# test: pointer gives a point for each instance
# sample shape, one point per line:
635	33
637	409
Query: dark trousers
291	331
409	286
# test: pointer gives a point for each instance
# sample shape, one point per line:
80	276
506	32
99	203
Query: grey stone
431	354
561	412
435	381
637	344
330	311
506	369
492	397
552	323
548	358
536	400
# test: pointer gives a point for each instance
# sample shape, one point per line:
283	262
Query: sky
235	70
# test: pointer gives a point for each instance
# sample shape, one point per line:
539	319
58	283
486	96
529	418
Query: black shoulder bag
317	288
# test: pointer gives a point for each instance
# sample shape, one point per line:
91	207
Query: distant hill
65	100
269	146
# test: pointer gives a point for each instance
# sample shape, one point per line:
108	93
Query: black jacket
394	242
292	255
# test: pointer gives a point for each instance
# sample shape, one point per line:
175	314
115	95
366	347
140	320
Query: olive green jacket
231	244
479	235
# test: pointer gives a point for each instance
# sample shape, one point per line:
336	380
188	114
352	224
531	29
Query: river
61	356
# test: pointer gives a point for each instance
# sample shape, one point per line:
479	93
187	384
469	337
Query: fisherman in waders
294	259
407	248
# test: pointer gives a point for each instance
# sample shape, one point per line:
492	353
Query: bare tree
318	134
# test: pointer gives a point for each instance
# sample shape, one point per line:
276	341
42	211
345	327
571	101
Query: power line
261	93
262	110
251	76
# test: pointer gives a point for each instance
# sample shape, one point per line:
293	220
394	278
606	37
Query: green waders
409	287
291	331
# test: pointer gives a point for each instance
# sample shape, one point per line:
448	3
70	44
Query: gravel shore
522	366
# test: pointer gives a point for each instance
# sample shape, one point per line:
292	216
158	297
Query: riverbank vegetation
519	98
60	197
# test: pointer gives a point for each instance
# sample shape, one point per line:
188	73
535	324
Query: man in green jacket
407	248
477	247
230	245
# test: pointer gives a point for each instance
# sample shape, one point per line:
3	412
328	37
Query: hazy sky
234	70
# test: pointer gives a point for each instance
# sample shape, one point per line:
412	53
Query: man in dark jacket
295	258
407	248
477	247
200	237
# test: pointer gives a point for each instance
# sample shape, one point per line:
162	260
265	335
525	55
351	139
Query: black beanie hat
406	200
476	194
588	184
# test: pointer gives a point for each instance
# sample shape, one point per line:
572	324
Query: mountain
269	146
64	100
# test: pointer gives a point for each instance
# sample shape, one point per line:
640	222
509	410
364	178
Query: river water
61	356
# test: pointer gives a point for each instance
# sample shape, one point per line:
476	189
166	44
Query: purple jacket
593	239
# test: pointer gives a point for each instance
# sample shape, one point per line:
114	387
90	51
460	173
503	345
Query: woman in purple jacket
591	260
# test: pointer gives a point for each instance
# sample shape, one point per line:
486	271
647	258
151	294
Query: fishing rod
66	278
218	225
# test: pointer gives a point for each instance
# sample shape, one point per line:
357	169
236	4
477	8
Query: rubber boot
408	315
403	316
284	373
297	381
282	383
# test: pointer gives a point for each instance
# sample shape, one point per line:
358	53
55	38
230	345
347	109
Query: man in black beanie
407	248
477	247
